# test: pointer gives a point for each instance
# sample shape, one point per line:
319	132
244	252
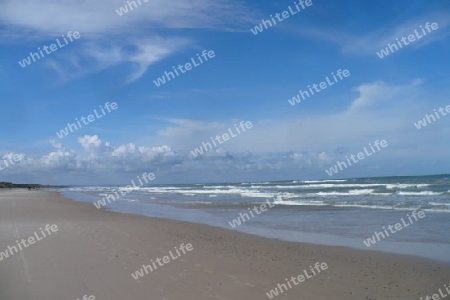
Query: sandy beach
94	252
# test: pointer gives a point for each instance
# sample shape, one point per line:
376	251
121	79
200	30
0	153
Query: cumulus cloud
308	143
324	157
380	93
89	142
100	160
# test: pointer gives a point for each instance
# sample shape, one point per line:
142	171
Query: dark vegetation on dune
9	185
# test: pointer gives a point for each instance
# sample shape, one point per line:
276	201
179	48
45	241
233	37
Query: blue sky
251	78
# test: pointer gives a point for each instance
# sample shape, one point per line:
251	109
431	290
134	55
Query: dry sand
94	252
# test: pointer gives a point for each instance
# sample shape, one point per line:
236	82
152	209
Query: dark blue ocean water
332	212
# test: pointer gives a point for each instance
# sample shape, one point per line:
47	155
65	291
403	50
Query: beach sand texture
94	253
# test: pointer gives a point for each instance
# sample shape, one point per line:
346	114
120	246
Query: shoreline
95	252
437	251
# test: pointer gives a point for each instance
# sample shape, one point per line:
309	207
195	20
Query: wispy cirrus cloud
93	18
370	42
93	58
107	37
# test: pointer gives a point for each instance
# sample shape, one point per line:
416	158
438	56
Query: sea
343	212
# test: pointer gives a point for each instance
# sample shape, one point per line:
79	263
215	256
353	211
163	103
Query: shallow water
340	212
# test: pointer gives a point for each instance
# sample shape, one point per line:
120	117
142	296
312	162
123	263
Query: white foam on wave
318	181
438	204
364	206
300	203
319	186
161	190
405	185
285	187
282	196
90	189
349	193
219	187
257	194
343	185
438	210
243	192
343	205
168	188
200	191
423	193
286	195
215	192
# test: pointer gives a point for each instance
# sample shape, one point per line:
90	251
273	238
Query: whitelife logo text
90	118
108	198
300	278
165	260
224	136
187	67
423	123
31	240
411	38
323	85
360	155
27	61
284	15
371	241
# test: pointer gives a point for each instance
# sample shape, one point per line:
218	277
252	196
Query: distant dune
9	185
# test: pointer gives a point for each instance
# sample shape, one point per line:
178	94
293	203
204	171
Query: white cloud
377	110
306	143
95	18
93	58
371	42
324	157
89	142
103	159
106	37
382	93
